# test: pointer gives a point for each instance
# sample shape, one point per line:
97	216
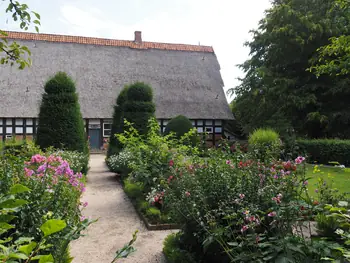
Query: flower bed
49	192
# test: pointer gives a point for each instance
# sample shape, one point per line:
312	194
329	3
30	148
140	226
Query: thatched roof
186	79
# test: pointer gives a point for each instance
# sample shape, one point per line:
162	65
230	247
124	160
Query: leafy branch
15	53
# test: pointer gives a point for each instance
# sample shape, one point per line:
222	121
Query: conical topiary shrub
114	146
139	107
60	121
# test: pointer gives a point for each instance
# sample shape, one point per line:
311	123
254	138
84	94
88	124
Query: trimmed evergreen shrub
324	151
180	125
265	144
60	122
114	146
139	107
133	190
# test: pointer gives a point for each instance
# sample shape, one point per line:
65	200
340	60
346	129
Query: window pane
165	122
19	130
164	129
193	122
218	122
8	121
200	123
9	130
209	129
107	126
200	129
29	122
208	122
19	121
0	121
218	130
29	130
0	129
107	133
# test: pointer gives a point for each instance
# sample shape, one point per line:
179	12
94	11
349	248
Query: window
199	123
193	122
107	128
29	130
209	129
208	122
0	121
9	130
29	122
218	130
8	121
200	129
165	122
217	122
19	130
0	129
19	122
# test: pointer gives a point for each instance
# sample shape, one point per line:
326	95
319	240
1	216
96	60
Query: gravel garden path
117	221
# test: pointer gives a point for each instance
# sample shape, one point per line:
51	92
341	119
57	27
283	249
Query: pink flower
316	190
246	212
28	172
244	228
171	163
305	183
38	159
188	194
228	161
299	159
82	218
272	214
241	196
42	168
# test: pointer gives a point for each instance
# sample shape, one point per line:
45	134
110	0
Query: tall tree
278	90
60	121
334	58
11	53
114	146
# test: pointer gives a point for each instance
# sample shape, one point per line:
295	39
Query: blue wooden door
94	135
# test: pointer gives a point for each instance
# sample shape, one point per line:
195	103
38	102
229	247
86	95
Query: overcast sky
223	24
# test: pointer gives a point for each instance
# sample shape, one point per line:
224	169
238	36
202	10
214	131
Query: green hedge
324	151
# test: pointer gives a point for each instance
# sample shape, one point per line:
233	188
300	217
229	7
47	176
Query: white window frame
104	129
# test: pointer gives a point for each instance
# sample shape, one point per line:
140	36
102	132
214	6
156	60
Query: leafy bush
180	125
265	144
55	193
173	252
133	190
153	214
114	146
143	206
139	107
120	163
60	122
324	151
78	162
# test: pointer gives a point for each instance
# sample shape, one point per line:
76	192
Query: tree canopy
12	52
279	90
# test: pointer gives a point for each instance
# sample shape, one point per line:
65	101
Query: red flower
188	194
302	208
171	163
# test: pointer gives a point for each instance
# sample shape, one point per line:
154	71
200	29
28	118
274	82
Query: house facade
186	80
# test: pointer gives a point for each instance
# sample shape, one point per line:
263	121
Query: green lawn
341	177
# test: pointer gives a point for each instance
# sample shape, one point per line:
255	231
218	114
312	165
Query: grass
339	176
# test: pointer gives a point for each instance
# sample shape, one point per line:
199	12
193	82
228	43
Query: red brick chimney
138	37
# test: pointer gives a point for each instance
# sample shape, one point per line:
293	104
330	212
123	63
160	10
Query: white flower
339	231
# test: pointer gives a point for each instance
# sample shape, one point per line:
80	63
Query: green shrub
324	151
14	146
180	125
143	206
153	213
133	190
173	252
114	146
78	162
265	144
119	163
139	107
60	121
